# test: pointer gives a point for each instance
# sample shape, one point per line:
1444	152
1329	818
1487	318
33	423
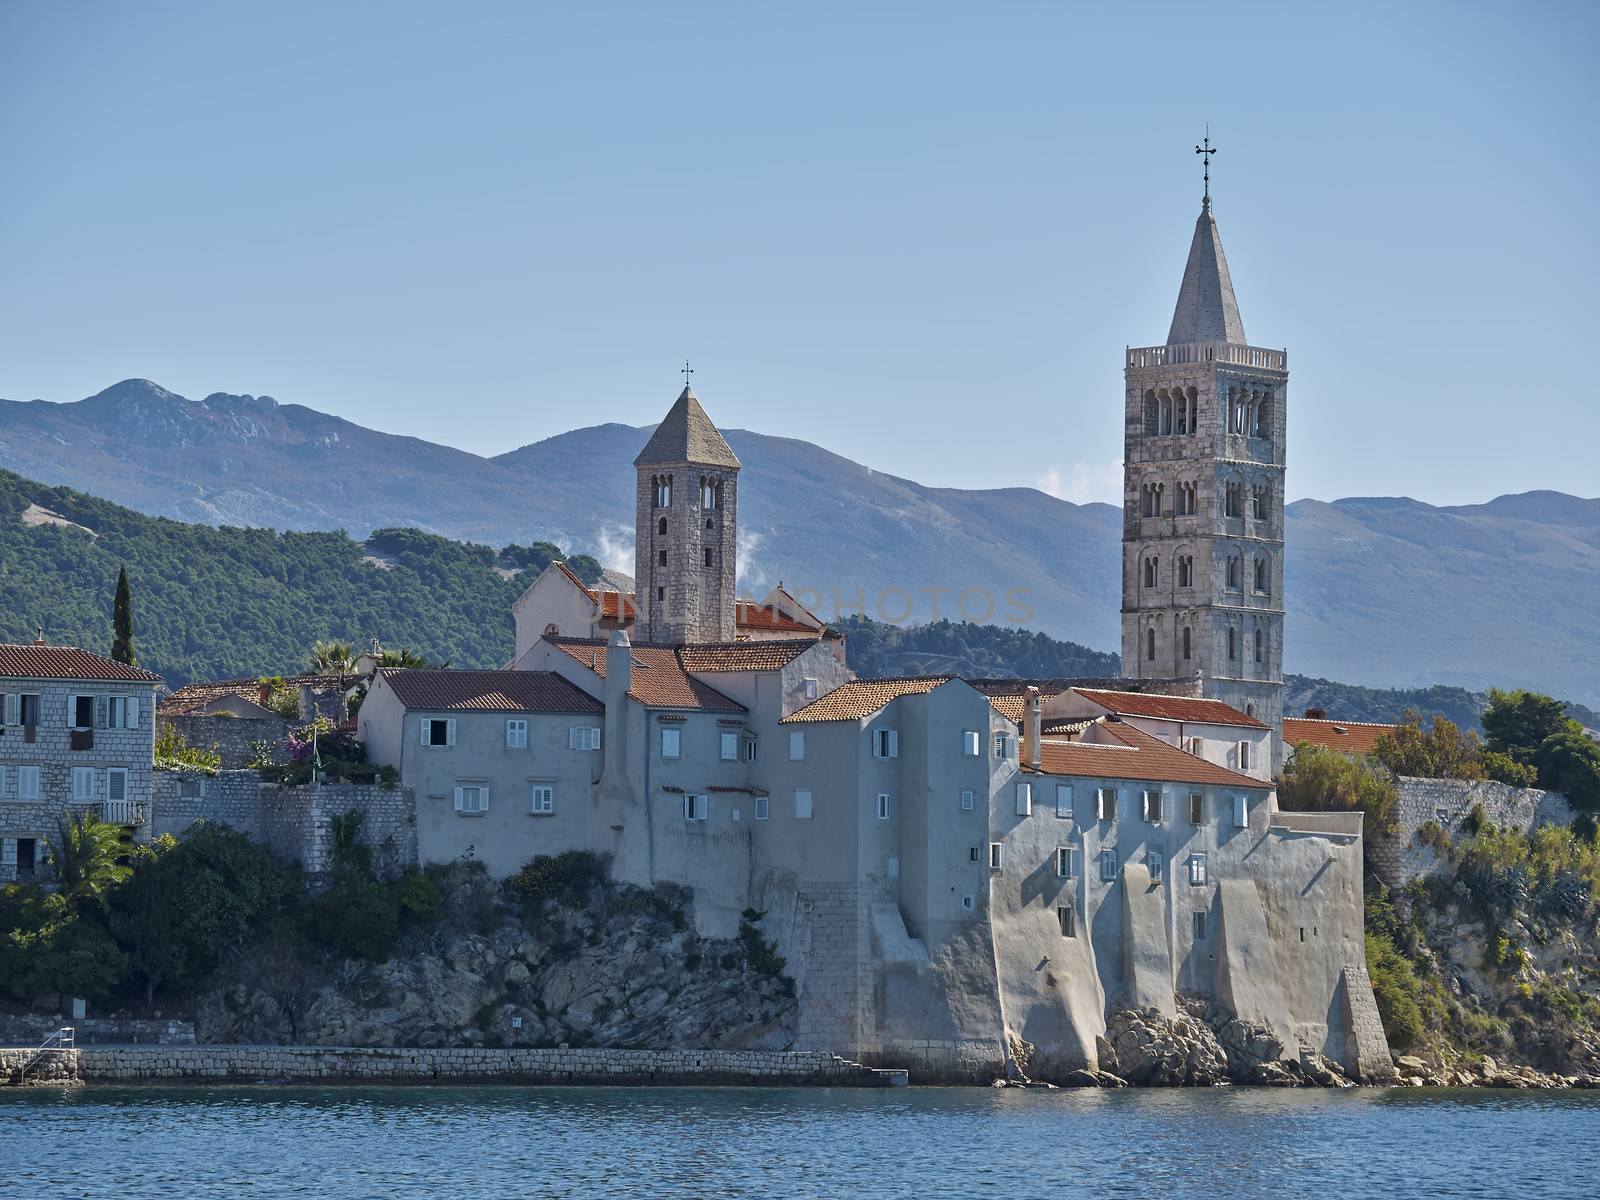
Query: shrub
172	753
1398	992
1322	780
419	896
357	919
1569	763
567	878
1442	751
1506	769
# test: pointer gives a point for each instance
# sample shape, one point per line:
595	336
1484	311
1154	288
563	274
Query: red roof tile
488	691
659	678
67	662
1141	757
863	697
1168	708
1352	737
749	614
193	696
712	657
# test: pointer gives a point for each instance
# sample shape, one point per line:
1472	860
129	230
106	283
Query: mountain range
1380	591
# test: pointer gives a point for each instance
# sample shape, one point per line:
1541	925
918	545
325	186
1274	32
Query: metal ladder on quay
58	1041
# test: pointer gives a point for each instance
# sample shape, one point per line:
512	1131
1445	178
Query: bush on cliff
568	878
1318	779
1440	751
48	945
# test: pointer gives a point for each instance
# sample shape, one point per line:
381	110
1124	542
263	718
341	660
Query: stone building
77	733
1203	478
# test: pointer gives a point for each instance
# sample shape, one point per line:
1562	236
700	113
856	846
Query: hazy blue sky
918	234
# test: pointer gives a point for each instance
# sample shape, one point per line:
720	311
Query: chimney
38	635
1033	723
1316	714
614	690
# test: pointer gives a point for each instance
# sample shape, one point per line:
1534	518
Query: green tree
332	658
47	945
1508	770
89	856
122	621
1320	779
1441	751
1569	762
1518	722
586	568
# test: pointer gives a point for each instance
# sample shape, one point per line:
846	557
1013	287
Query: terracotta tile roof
1168	708
488	691
1140	758
659	679
1352	737
67	662
1012	705
608	599
194	696
752	614
710	657
863	697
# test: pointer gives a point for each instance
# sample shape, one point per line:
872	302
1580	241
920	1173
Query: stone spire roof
1207	311
686	435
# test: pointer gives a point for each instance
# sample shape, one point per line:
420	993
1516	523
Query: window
29	708
1261	575
997	856
971	743
706	552
661	595
883	806
1186	500
730	747
83	783
1233	500
1106	803
1157	862
122	712
661	526
1152	807
1194	746
581	737
472	798
1199	925
542	800
1186	641
1024	799
1150	644
967	800
1233	571
1152	571
663	491
671	743
749	749
968	903
1063	802
695	808
1064	862
972	854
1244	756
1258	645
1258	502
797	745
802	804
516	734
1151	499
1185	570
438	731
763	807
1002	745
1233	643
1197	808
894	866
1067	919
116	783
708	493
1197	870
809	687
81	711
661	558
1108	866
1241	812
885	743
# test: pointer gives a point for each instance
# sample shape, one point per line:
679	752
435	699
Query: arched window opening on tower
1258	645
1261	575
1164	413
661	558
1151	499
1263	423
1185	572
1258	501
1233	571
1150	644
1233	500
1185	500
709	560
710	493
1186	641
663	486
1233	643
1186	413
1152	411
661	527
1151	571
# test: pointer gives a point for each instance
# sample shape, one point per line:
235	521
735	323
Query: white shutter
594	737
450	732
1024	799
1064	801
797	745
894	743
1101	797
72	709
969	743
11	709
1166	808
116	784
967	801
459	800
1241	811
802	804
422	736
130	709
730	747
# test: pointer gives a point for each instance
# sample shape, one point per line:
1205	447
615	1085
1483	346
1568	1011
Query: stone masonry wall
254	1063
1399	858
180	798
230	735
30	1029
297	822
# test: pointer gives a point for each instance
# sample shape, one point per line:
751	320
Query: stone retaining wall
230	735
29	1029
252	1064
231	798
1399	858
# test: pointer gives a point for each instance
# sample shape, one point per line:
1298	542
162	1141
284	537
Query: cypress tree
122	622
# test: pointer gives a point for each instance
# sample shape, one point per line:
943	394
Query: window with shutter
131	713
1166	808
1197	808
671	743
83	783
883	806
116	784
1197	870
1064	862
730	747
1108	866
542	800
27	783
968	801
971	743
802	804
1157	862
9	709
763	805
695	808
1067	918
1152	806
516	734
997	856
1199	926
1241	812
797	745
472	798
1064	801
1024	799
1106	803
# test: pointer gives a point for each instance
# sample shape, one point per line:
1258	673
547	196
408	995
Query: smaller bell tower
686	530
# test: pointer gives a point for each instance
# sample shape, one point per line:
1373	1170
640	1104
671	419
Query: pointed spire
686	435
1207	311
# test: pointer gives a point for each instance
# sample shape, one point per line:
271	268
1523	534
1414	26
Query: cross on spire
1207	150
686	370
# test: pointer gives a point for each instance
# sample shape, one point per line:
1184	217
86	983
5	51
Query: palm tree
403	657
87	853
332	658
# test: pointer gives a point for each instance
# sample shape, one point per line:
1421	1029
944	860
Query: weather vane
686	372
1207	150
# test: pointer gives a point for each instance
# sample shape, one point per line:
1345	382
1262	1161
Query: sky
918	234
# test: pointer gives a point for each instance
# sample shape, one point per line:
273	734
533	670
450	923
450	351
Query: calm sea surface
421	1143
